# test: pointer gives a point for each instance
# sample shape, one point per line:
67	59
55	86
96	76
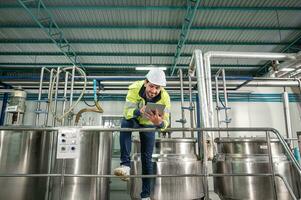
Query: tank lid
242	139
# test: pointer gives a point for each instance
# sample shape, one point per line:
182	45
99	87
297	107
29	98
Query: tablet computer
152	107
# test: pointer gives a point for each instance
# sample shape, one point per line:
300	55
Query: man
139	94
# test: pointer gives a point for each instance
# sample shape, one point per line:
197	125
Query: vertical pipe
71	92
40	96
204	120
182	103
56	93
287	117
198	124
217	103
49	96
191	107
65	96
271	165
226	99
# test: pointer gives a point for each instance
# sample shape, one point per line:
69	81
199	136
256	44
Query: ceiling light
149	68
286	69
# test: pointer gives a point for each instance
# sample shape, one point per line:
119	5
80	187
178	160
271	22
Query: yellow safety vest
134	100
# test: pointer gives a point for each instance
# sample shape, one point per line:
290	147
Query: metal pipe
226	99
182	120
134	176
71	92
231	83
56	94
191	107
203	105
287	117
156	176
250	55
289	188
271	165
217	103
222	54
40	96
65	96
49	96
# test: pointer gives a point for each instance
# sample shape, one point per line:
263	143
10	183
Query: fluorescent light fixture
149	68
286	69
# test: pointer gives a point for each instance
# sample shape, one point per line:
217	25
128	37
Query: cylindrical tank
171	156
94	158
250	155
23	152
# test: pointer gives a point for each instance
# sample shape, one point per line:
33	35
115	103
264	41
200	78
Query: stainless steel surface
95	158
249	155
183	119
287	116
191	106
197	63
299	141
23	152
171	156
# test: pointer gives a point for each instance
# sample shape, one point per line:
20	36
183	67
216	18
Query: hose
56	78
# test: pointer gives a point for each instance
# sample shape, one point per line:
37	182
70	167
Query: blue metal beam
137	42
167	8
39	53
129	27
108	65
43	17
192	6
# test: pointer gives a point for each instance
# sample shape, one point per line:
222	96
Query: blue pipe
95	89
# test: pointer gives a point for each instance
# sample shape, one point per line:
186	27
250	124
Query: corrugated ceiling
119	35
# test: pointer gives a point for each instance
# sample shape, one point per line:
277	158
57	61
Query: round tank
171	156
250	155
94	158
23	152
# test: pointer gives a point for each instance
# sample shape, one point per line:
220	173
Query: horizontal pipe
253	83
101	129
134	176
249	55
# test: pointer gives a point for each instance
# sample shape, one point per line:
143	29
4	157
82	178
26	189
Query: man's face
151	90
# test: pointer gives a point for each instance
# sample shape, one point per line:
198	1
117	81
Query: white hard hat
156	76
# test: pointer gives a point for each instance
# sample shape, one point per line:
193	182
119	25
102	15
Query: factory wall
244	112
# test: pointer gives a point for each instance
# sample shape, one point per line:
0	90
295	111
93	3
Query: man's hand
154	117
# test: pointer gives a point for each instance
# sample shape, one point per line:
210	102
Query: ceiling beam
135	42
108	65
168	8
39	53
191	9
43	17
142	27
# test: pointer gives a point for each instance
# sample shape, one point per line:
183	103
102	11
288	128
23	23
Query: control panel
68	143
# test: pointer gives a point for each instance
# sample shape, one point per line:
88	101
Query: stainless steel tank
94	158
250	155
23	152
171	156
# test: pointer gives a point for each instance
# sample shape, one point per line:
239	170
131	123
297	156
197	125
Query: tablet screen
152	107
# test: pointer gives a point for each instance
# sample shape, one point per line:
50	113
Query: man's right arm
131	109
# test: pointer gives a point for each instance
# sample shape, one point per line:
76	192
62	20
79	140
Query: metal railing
205	175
